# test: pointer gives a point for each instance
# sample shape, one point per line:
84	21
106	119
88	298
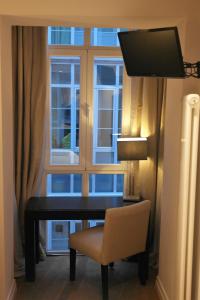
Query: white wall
170	194
169	214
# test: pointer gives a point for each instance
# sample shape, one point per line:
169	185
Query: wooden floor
53	283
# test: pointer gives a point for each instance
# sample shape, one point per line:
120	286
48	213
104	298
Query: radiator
187	195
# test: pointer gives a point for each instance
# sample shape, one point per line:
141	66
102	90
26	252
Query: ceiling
113	8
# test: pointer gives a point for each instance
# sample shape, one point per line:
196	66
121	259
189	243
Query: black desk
59	208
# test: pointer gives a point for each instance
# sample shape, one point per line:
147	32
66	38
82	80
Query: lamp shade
132	148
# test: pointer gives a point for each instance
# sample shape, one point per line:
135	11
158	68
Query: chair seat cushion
88	242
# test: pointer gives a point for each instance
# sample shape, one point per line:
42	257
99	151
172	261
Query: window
107	109
106	37
65	92
66	36
64	184
88	90
106	184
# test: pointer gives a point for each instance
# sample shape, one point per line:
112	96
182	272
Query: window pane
105	99
106	75
106	184
120	183
77	74
77	183
104	138
121	74
105	119
60	183
107	107
77	116
65	106
104	157
61	118
120	112
77	98
61	139
105	36
66	36
103	183
60	72
64	184
58	230
120	98
58	234
60	97
120	121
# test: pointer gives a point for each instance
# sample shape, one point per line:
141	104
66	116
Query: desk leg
143	267
29	247
37	247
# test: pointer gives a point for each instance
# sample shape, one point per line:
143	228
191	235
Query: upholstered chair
124	234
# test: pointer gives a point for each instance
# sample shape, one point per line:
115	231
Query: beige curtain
147	111
29	90
151	171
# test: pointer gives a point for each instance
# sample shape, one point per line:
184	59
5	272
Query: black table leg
37	246
104	280
29	247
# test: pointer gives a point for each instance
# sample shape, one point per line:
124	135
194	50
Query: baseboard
162	295
13	290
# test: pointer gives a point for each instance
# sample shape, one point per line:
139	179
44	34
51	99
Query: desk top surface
73	203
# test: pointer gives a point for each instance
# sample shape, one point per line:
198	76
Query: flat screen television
152	52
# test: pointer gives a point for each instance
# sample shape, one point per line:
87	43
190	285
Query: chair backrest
125	231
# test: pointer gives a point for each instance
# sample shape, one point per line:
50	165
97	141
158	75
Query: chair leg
104	279
143	267
72	264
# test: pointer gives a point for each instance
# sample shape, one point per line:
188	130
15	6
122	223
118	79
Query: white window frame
85	168
53	52
125	103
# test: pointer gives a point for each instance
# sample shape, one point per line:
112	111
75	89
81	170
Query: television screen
152	52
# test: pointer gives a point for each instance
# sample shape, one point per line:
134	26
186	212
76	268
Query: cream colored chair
123	234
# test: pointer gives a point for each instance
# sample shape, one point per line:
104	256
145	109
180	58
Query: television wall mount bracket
192	69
